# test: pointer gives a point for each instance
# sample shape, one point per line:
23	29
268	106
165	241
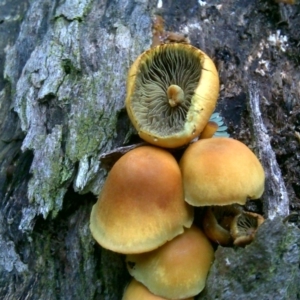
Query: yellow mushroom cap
176	270
172	91
137	291
220	171
141	205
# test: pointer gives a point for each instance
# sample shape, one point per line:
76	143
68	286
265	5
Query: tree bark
62	88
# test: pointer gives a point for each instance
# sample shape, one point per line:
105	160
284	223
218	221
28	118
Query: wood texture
62	89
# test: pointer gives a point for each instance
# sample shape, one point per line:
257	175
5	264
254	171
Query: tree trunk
62	88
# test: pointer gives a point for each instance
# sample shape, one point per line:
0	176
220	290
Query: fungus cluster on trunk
146	207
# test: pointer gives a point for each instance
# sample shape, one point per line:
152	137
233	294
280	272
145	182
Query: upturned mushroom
141	205
221	171
172	91
244	227
176	270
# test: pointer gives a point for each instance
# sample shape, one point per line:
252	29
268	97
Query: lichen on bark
66	76
71	101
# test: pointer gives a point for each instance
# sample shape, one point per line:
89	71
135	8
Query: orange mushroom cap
137	291
141	205
176	270
221	171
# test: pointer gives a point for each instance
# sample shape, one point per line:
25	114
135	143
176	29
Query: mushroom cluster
221	174
146	207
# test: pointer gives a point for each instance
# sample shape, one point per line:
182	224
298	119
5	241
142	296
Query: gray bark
275	196
268	268
62	89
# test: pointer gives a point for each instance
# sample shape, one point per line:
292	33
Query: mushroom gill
172	91
244	227
164	76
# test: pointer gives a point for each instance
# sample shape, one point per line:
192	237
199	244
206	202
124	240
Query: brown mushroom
217	221
141	205
220	171
176	270
137	291
172	91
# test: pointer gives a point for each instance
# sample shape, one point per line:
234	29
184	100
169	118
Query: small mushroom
216	223
244	226
220	171
141	205
176	270
137	291
209	130
172	91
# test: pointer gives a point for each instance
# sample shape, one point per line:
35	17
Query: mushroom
137	291
141	205
172	91
220	171
176	270
209	130
216	223
244	226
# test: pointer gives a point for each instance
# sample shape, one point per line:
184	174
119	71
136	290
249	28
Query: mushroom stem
213	230
175	95
217	221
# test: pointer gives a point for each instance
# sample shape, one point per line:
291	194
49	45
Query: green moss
45	263
67	171
89	134
92	121
68	66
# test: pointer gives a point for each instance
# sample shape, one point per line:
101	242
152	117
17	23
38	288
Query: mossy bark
62	94
62	89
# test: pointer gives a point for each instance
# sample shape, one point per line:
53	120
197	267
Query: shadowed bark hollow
62	88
